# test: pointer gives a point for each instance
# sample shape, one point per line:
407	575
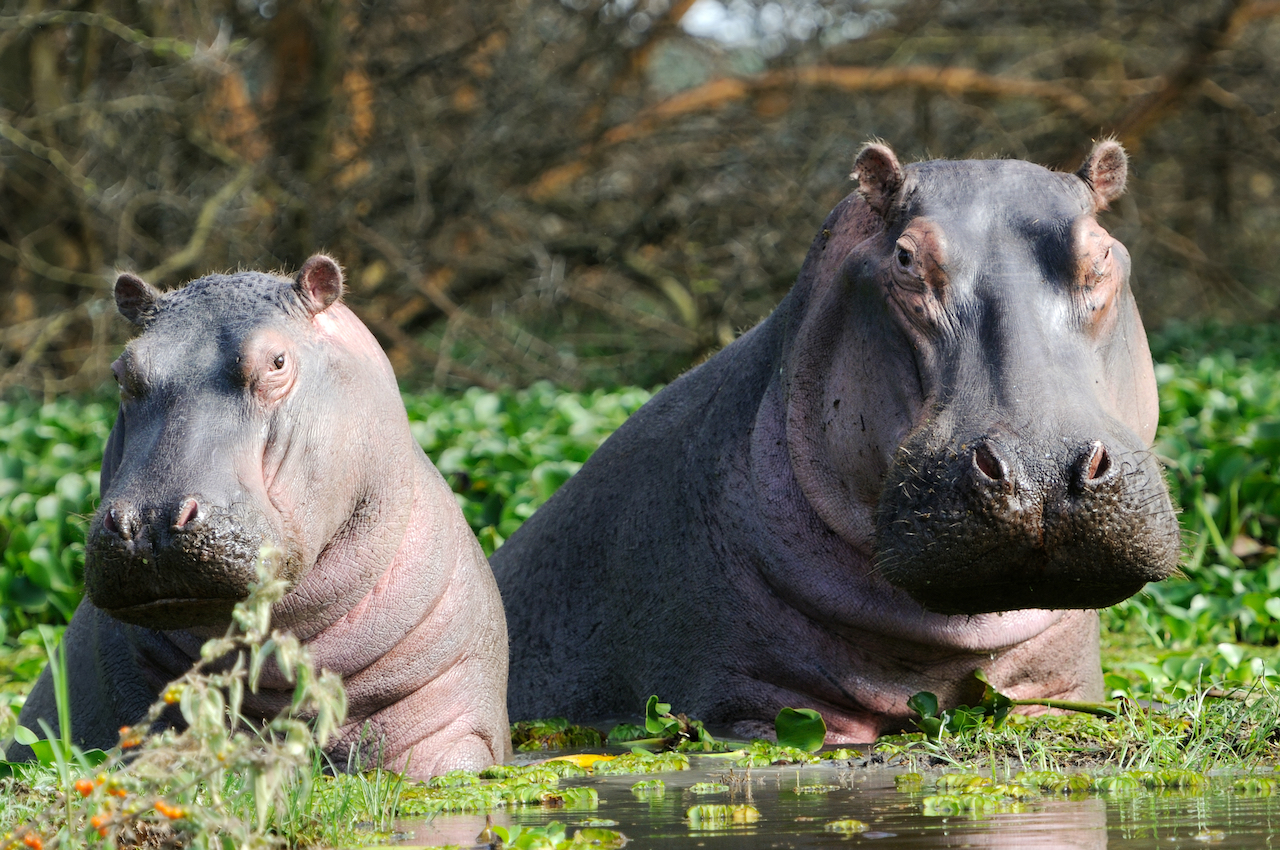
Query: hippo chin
257	412
950	414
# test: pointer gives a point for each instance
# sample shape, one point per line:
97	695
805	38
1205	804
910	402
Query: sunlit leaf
802	728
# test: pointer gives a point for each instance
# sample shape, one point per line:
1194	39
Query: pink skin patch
338	326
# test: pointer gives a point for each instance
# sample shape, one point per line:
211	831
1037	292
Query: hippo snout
182	562
998	524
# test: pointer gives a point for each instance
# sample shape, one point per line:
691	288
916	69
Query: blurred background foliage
591	193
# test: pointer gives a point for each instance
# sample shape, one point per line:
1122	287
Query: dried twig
163	47
204	224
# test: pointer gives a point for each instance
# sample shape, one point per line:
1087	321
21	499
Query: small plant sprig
663	730
993	704
221	781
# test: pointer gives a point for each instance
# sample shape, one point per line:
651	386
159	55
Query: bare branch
953	81
1211	38
162	47
204	224
26	258
50	155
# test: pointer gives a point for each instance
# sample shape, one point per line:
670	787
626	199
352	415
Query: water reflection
1217	817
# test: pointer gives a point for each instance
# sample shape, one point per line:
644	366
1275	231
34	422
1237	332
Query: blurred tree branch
583	192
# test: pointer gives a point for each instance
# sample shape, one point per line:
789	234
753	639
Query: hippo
931	458
258	411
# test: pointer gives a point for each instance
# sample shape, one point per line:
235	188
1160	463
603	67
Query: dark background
585	192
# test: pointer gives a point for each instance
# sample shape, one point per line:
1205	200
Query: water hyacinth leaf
583	759
849	826
46	756
719	816
707	788
932	727
908	781
802	728
640	761
625	732
993	703
576	797
963	718
649	787
924	703
598	837
658	720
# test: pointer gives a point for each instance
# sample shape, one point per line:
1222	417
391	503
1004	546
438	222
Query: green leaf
595	836
925	704
962	718
993	702
91	758
625	732
658	719
45	753
802	728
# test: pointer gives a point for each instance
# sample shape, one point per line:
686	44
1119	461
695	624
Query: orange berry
33	841
99	822
171	812
84	787
117	791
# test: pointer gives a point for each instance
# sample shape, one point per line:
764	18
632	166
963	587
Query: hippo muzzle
998	524
177	566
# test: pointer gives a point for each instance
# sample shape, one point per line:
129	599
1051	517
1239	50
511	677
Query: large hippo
932	457
258	411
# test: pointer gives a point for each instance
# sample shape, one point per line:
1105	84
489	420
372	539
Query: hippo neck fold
833	581
365	619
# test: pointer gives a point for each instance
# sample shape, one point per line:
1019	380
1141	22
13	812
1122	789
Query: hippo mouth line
998	596
177	612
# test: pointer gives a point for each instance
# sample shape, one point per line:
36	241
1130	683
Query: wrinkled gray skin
257	410
932	457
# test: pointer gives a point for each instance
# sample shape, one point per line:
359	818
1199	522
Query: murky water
1216	817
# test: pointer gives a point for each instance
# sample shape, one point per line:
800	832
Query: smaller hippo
258	411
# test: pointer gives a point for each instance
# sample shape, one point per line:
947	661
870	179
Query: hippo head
973	393
234	434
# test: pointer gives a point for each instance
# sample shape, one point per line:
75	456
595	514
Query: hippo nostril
987	462
187	511
119	522
1096	463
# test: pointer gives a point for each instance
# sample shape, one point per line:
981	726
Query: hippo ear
319	284
135	298
879	177
1105	171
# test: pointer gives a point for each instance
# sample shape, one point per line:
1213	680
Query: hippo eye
116	370
904	257
278	363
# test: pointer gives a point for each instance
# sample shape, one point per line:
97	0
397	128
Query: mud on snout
993	525
176	566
